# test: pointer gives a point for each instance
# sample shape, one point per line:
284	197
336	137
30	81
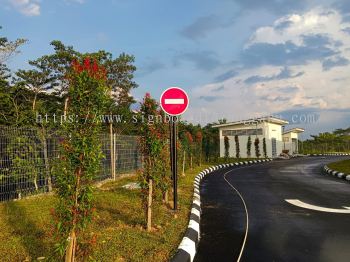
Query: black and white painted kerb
188	246
336	173
330	154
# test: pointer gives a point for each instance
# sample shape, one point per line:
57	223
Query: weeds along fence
27	155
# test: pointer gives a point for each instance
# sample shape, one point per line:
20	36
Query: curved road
277	230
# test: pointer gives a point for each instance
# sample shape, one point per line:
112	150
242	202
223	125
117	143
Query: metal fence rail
27	154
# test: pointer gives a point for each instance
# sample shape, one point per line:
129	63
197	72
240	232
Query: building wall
288	145
269	131
274	131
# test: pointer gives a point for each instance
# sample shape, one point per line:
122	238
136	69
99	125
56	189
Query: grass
25	225
341	166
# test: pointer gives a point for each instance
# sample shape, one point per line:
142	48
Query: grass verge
341	166
25	225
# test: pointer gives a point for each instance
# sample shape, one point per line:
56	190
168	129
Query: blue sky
236	58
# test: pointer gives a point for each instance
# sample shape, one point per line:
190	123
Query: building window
243	132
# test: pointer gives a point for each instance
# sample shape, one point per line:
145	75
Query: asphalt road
277	230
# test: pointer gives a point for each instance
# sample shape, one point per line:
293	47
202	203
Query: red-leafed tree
154	177
80	158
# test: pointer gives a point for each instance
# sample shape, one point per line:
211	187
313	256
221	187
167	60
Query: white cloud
76	1
292	27
26	7
316	88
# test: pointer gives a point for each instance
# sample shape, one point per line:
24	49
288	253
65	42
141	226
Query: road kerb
335	173
188	246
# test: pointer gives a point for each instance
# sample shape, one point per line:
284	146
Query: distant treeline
337	141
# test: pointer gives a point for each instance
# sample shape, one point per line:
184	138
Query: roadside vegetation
341	166
335	142
118	225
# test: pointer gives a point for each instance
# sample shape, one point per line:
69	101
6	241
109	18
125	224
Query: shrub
249	146
227	146
257	149
237	146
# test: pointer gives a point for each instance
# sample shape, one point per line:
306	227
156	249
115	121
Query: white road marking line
174	101
297	202
182	245
246	212
245	207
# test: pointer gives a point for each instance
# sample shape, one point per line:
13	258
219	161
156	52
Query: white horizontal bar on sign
174	101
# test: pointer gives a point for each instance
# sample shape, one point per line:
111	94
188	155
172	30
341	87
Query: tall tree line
42	89
328	142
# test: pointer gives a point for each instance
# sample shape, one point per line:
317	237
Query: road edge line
187	249
246	212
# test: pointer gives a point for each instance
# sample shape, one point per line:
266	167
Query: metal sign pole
173	156
174	101
171	144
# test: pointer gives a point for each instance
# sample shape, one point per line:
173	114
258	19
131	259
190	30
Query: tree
24	152
186	144
10	108
249	146
154	176
264	147
37	81
119	71
57	65
189	146
222	121
5	98
237	146
211	142
120	78
227	146
4	76
337	141
80	157
256	145
199	139
9	48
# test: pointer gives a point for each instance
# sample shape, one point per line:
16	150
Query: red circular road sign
174	101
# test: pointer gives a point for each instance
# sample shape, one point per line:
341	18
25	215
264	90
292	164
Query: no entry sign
174	101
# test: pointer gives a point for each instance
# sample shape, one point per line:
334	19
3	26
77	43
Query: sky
236	59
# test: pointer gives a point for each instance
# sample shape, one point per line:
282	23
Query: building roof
252	121
294	130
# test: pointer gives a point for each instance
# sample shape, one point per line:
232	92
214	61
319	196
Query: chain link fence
27	155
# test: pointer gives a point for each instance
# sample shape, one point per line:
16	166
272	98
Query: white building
269	128
290	140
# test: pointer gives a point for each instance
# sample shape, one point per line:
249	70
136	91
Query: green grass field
25	225
341	166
